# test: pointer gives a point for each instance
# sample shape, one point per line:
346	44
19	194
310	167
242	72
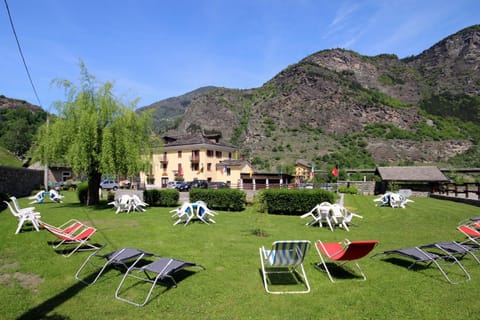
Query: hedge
161	198
292	202
221	199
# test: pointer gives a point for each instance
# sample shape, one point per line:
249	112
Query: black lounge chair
428	258
116	259
457	249
154	272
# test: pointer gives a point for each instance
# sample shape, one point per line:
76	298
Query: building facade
199	157
303	171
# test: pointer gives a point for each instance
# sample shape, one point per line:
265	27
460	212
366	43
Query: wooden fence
466	190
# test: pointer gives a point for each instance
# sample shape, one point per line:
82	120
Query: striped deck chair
285	256
343	252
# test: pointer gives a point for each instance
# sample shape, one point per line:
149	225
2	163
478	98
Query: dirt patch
25	280
8	266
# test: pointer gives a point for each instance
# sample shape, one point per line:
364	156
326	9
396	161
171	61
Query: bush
82	192
293	202
348	189
161	198
221	199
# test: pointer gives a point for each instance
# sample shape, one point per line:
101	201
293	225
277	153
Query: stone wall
364	187
20	182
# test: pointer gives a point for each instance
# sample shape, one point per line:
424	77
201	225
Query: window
209	153
195	166
228	171
179	154
66	175
195	155
218	154
209	166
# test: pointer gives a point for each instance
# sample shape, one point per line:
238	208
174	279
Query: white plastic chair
138	204
203	213
124	204
347	219
37	198
32	217
21	210
185	213
55	196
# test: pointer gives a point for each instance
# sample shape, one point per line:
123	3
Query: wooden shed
420	179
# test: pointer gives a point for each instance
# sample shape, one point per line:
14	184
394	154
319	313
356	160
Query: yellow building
303	171
199	157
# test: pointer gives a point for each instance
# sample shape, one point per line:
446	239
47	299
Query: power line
21	53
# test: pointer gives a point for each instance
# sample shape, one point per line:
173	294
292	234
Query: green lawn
8	159
37	283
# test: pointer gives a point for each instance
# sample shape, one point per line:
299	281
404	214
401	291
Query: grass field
8	159
36	282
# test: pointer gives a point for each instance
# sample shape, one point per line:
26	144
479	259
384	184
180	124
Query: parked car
173	184
184	186
218	185
126	184
109	185
202	184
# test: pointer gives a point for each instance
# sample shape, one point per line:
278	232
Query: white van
173	184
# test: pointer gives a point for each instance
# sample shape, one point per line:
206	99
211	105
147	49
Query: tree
95	133
18	127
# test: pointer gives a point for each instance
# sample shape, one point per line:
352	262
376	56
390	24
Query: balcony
195	159
163	159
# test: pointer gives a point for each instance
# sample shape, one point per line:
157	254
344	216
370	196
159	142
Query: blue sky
156	49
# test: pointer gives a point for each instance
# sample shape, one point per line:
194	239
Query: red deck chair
344	252
472	234
70	227
80	239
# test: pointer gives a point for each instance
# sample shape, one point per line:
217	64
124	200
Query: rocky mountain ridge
305	108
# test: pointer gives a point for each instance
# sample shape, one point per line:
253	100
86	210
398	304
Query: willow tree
95	133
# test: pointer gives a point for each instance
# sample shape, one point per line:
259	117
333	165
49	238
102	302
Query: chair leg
360	269
77	274
127	273
325	267
20	225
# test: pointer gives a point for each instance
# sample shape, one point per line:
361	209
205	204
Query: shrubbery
161	198
221	199
82	192
292	202
348	189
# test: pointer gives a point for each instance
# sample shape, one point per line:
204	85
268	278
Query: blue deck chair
285	256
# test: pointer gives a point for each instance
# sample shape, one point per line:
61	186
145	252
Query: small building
303	171
259	180
56	173
427	179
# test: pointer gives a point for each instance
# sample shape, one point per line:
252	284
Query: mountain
19	121
340	106
166	112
